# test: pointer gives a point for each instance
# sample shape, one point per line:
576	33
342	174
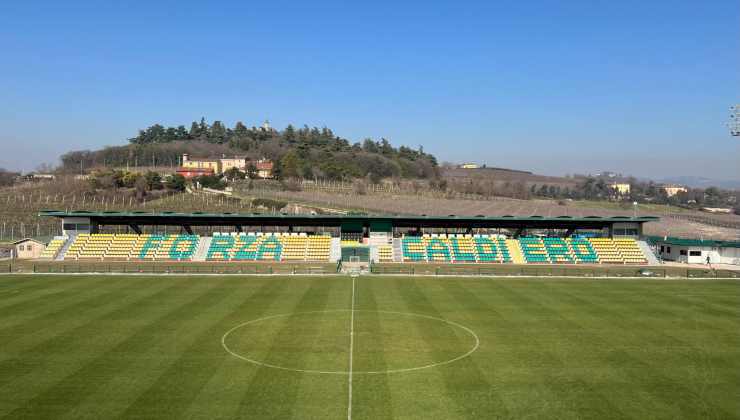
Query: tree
234	173
290	165
194	130
211	181
251	171
175	182
240	129
289	134
218	133
153	180
128	179
141	187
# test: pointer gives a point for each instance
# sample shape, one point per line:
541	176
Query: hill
304	152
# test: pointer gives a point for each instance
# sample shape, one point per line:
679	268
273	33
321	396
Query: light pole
634	209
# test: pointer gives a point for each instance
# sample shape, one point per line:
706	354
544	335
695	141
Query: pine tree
194	130
218	133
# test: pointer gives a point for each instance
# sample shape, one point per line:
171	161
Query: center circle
319	341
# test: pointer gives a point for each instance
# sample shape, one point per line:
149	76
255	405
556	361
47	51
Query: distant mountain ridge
701	182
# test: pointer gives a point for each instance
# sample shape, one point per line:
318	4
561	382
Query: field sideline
211	347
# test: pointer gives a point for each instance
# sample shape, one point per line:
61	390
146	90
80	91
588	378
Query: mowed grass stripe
63	355
633	357
48	289
579	388
221	395
179	383
325	396
535	360
39	322
646	326
523	392
138	353
372	397
465	384
60	333
684	378
714	316
21	288
260	399
637	400
172	376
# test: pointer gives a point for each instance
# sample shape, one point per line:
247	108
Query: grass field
74	347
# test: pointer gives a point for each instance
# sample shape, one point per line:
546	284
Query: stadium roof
256	219
694	242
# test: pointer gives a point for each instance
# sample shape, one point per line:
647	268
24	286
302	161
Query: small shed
28	248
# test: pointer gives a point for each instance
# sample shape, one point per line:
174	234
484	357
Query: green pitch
85	347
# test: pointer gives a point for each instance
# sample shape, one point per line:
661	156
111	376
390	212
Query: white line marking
351	349
354	372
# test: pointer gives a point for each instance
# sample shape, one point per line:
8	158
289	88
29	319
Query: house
620	188
264	168
201	163
28	248
469	166
239	163
671	190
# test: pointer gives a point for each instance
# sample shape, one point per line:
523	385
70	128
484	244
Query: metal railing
379	269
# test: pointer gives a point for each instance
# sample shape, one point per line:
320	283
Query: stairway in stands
649	254
335	252
201	252
516	251
397	252
65	247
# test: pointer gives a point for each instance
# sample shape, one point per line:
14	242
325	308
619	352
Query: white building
671	190
696	251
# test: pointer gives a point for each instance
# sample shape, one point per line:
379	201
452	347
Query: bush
175	182
268	203
210	181
7	178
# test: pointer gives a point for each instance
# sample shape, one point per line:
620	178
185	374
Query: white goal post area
354	266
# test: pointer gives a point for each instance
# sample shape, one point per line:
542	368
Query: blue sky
640	87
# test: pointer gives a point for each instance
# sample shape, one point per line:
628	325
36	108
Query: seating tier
455	249
529	250
125	247
52	249
270	247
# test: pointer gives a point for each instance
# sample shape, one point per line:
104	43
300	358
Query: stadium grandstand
227	237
